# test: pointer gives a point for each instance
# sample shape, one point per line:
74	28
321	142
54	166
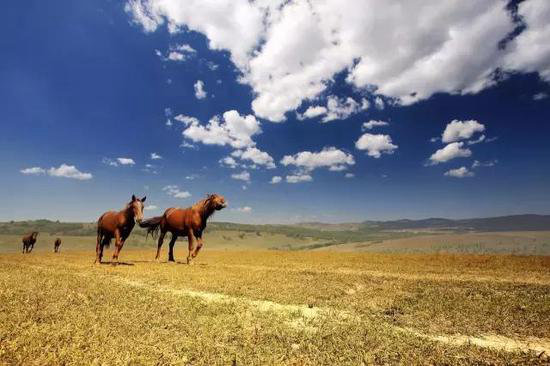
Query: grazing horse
117	225
28	242
56	245
189	222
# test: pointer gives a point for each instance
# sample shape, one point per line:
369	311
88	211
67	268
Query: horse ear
133	197
144	198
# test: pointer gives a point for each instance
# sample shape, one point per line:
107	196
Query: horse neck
206	211
128	213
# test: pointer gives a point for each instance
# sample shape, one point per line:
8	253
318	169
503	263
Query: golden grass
272	307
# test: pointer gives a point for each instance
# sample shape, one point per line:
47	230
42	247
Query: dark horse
117	225
28	242
188	222
56	245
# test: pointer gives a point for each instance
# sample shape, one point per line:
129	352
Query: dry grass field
274	307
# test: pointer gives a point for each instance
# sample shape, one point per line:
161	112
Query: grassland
274	307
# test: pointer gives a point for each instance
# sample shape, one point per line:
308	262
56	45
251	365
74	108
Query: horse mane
204	206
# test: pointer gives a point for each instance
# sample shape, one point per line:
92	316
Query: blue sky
90	89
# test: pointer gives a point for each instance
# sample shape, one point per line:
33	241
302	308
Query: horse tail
152	225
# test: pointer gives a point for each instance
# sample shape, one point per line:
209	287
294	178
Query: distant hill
502	223
345	232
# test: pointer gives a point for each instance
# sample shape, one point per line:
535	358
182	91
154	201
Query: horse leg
192	240
171	251
118	247
159	243
198	247
98	248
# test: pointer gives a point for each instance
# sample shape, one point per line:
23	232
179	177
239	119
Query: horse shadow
119	263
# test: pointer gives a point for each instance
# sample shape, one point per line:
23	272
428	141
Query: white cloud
481	138
176	192
373	123
155	156
276	179
244	209
229	161
312	112
186	120
461	130
379	103
234	130
150	208
376	145
330	157
256	156
451	151
290	51
349	175
435	139
480	164
461	172
125	161
35	170
530	50
298	178
69	171
540	96
244	176
200	93
336	108
180	53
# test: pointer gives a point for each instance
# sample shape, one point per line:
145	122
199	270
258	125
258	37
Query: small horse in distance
118	225
189	222
56	245
28	241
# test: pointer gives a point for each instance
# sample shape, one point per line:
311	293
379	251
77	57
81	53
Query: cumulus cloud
349	175
244	176
461	130
372	124
150	208
176	192
451	151
290	51
35	170
276	179
68	171
126	161
256	156
481	138
229	162
200	93
233	130
461	172
376	145
298	178
336	109
155	156
330	157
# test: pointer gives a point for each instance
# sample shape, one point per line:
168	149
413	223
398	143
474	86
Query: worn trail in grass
274	308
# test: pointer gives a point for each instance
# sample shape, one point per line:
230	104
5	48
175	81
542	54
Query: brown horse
189	222
56	245
28	242
118	225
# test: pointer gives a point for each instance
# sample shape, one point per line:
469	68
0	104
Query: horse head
34	234
216	201
136	207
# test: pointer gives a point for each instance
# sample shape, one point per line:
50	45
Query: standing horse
118	225
28	242
189	222
56	245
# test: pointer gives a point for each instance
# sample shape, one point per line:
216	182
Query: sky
293	110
